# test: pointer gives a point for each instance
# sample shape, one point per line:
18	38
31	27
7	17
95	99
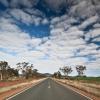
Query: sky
51	34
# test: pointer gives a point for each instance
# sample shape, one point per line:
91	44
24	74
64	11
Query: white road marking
24	90
49	85
75	90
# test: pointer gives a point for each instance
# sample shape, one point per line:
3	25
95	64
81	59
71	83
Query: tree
29	71
3	68
11	72
18	66
35	71
57	75
66	70
80	69
25	68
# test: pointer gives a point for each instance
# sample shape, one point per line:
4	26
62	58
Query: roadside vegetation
66	70
85	79
81	81
14	79
24	71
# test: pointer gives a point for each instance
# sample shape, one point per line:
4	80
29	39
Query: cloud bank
74	37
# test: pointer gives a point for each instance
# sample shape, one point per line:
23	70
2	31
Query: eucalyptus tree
12	72
3	69
66	70
26	69
80	69
57	75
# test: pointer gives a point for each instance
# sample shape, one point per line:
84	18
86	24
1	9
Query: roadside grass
84	79
88	84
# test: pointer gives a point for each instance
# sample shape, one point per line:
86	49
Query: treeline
6	71
23	69
66	70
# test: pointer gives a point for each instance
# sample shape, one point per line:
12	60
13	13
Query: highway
48	90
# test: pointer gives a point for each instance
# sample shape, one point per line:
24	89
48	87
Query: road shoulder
14	91
81	92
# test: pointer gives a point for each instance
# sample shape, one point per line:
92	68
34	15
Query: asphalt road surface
49	90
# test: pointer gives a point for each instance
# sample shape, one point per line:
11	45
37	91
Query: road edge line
34	84
73	90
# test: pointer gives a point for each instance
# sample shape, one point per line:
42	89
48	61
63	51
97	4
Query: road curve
49	90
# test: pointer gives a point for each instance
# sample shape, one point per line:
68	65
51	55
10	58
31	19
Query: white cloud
55	20
28	16
88	22
16	3
66	45
97	25
55	5
5	2
48	66
13	39
97	39
16	45
21	16
95	33
33	11
45	21
83	9
8	25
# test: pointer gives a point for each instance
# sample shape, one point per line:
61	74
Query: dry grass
14	86
88	87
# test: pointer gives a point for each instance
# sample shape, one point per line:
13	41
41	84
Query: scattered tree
57	75
3	69
26	69
66	70
80	69
11	72
35	72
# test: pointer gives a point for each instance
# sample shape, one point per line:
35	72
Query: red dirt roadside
10	83
12	91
